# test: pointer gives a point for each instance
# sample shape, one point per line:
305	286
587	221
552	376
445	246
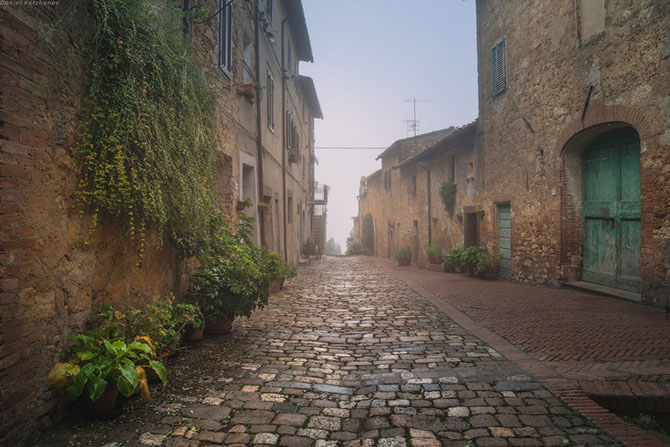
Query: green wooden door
611	179
504	239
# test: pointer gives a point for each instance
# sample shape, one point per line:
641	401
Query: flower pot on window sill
248	91
241	204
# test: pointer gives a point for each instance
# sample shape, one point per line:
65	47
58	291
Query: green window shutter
498	79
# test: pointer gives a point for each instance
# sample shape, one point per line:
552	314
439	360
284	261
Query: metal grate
498	79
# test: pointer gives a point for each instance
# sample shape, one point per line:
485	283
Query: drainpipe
283	137
259	127
430	224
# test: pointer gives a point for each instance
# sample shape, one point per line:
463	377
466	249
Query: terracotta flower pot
194	335
490	274
275	285
105	404
240	205
218	326
403	261
435	259
152	376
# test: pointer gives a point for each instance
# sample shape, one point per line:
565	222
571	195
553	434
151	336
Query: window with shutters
268	10
271	101
226	37
498	78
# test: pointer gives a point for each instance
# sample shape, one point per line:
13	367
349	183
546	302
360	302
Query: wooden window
289	214
412	185
271	101
226	37
498	79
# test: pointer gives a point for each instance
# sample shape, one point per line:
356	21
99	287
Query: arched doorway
611	210
609	189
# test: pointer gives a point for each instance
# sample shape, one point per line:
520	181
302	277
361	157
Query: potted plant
434	253
104	365
403	256
487	265
471	257
308	248
453	261
242	204
233	280
188	319
249	91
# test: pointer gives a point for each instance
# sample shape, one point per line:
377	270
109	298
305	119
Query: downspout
430	224
283	138
259	128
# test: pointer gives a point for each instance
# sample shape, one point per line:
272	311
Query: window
271	101
412	185
387	180
268	10
247	73
289	214
226	37
498	79
290	59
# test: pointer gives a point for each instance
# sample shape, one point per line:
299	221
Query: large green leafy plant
149	138
235	275
471	256
98	359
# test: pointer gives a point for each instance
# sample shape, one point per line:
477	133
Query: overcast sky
369	57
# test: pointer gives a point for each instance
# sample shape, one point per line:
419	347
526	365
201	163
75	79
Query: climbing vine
448	196
149	140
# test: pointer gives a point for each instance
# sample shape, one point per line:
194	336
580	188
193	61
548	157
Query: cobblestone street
348	355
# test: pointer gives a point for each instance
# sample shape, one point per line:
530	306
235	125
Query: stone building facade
570	160
573	101
54	273
395	198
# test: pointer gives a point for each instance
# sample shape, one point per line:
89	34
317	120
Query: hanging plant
149	138
448	195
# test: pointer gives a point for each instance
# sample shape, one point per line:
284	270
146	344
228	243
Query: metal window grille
498	79
226	37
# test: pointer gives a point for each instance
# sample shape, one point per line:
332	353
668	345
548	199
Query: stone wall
573	69
395	209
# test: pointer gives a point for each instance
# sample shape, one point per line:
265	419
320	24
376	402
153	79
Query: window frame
226	37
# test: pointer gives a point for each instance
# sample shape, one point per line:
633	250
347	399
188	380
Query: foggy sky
370	56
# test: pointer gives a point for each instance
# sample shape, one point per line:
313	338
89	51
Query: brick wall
54	272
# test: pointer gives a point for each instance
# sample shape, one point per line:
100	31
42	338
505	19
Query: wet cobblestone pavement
346	355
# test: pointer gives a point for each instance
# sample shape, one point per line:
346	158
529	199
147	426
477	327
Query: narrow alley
348	354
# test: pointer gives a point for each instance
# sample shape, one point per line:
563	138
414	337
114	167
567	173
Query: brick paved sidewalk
618	352
348	355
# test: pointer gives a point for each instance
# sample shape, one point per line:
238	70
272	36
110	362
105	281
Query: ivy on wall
149	139
448	196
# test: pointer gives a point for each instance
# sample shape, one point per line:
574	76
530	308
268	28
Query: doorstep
604	290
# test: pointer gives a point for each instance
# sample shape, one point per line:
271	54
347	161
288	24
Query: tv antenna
413	124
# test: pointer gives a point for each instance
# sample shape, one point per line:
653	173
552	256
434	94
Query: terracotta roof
415	139
463	131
